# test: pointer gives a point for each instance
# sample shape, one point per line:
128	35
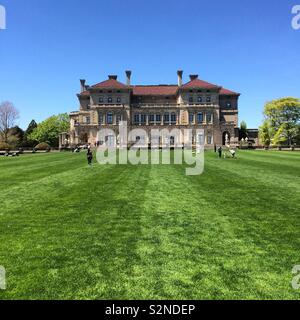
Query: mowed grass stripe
173	256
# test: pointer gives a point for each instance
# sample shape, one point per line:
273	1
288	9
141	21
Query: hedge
43	146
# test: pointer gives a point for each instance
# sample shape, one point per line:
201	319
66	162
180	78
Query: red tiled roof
111	83
159	90
228	92
197	83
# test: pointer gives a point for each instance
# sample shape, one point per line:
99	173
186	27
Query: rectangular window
173	118
209	118
109	100
119	118
143	118
136	118
88	120
151	118
208	99
110	141
191	100
101	100
191	118
158	118
200	139
100	118
119	100
209	139
110	118
167	118
199	99
200	117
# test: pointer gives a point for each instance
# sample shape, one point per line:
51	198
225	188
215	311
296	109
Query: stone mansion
195	104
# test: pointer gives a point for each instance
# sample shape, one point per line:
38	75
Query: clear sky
247	46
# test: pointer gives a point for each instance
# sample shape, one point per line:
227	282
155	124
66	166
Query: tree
32	125
48	131
243	130
8	115
297	139
284	116
26	140
266	133
15	136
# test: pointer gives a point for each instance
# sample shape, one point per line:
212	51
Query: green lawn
68	231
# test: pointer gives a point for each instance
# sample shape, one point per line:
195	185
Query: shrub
43	146
4	146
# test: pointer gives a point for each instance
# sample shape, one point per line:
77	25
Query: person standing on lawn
89	157
220	150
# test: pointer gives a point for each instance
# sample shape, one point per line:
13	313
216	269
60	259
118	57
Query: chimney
194	76
180	74
82	85
128	76
113	77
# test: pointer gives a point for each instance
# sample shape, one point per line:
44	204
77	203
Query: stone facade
196	104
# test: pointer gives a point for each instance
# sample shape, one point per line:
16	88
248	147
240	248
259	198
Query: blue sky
248	46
